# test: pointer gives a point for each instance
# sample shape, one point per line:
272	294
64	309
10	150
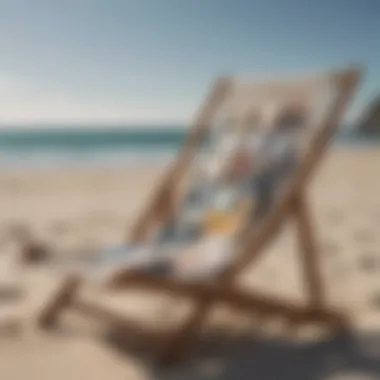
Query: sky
151	61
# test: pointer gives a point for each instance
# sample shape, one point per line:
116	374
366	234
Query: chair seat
186	261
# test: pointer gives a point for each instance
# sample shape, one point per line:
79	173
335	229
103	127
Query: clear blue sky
151	60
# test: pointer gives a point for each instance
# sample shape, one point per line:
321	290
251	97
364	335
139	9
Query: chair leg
178	344
309	252
66	294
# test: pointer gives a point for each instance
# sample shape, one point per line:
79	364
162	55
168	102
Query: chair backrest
235	102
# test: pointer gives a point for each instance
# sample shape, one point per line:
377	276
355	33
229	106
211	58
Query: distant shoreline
114	147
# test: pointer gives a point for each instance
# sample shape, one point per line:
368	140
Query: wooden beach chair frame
291	204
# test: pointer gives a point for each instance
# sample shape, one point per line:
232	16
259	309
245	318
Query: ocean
86	146
122	145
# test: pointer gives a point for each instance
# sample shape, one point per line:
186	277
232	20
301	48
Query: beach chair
327	95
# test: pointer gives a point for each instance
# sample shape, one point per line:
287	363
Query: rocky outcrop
369	124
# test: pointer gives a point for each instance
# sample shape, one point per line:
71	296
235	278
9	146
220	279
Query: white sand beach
88	208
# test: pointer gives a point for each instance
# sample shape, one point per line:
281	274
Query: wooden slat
177	344
235	297
309	253
61	300
154	339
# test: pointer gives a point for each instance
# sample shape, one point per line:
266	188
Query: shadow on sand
265	359
345	357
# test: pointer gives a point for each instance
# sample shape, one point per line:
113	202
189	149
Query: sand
87	208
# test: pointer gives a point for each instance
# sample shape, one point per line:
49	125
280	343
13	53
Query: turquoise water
89	145
107	145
